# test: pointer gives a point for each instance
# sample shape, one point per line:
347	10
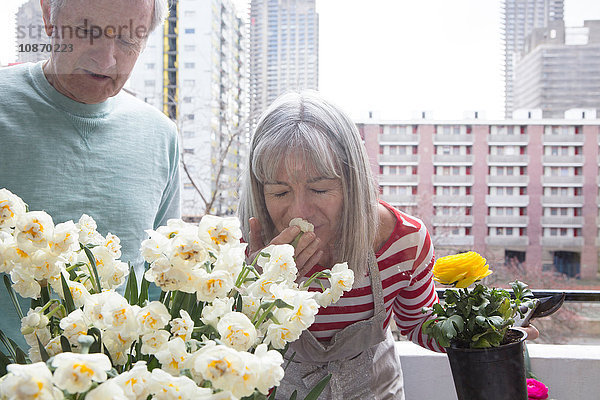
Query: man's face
95	46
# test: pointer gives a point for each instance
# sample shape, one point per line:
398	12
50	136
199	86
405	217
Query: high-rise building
524	190
558	70
32	41
209	64
519	19
284	45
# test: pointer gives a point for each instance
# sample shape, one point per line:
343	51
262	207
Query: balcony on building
508	220
453	179
519	159
453	200
515	180
399	158
398	179
576	180
516	201
401	200
562	242
453	159
507	241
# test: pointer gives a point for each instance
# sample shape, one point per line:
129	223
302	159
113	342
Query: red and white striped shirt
405	264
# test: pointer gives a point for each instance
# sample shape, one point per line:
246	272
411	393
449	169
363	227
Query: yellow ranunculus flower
460	270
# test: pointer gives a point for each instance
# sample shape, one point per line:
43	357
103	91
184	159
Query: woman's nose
301	207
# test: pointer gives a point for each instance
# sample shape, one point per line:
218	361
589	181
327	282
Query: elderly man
72	142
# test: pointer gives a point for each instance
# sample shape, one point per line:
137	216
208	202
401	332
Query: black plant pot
496	373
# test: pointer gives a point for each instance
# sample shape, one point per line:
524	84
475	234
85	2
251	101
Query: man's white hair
161	9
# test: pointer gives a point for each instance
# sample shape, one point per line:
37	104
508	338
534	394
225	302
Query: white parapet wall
571	372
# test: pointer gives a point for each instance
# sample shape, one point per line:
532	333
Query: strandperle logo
86	31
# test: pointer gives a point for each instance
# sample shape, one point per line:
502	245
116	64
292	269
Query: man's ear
49	28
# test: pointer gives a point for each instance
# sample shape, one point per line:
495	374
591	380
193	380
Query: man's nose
103	53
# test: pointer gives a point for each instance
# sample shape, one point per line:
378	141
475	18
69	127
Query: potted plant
475	326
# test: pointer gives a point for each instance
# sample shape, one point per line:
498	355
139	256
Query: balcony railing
452	200
508	159
556	220
575	159
563	138
562	200
451	138
452	220
562	242
507	220
442	179
399	158
499	138
453	159
559	180
515	201
508	179
402	199
399	139
398	179
504	241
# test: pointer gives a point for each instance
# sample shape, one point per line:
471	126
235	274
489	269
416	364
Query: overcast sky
399	57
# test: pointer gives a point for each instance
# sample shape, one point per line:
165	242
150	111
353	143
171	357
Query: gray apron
361	358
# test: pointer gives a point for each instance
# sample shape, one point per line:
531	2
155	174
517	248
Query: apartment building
284	43
558	70
519	19
519	189
211	97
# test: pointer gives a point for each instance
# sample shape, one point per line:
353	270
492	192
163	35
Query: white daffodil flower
11	208
153	342
237	331
153	316
211	313
212	285
135	382
75	372
29	381
87	230
172	356
220	230
107	390
64	239
281	264
303	224
34	229
167	387
182	327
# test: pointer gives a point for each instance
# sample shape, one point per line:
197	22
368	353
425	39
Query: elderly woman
307	160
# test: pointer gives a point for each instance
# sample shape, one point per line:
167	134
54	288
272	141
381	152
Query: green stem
262	316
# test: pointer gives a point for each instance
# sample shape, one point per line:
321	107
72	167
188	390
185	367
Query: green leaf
496	321
282	304
319	387
4	361
143	297
64	344
272	395
8	344
96	347
13	296
131	290
92	259
43	353
21	356
294	395
69	303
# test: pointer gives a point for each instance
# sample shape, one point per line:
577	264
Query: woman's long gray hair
304	124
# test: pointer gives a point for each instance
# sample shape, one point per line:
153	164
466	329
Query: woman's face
306	195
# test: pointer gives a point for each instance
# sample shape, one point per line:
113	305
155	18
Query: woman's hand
307	252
